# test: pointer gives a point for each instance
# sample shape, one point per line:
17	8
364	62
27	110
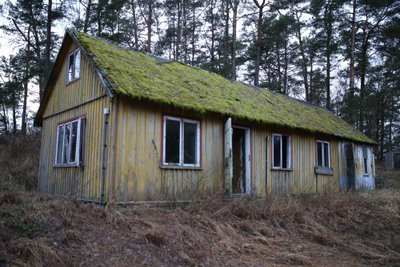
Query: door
237	159
350	172
241	160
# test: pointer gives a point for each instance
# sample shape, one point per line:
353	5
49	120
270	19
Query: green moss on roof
140	76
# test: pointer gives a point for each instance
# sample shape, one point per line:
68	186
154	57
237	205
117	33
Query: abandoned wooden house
124	126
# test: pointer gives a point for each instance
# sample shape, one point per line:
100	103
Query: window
181	142
323	154
281	150
365	161
70	141
74	66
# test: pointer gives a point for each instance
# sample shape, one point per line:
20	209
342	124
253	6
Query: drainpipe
104	155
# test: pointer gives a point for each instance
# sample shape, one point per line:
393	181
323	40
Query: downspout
104	156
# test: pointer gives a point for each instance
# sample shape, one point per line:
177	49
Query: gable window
181	142
281	151
69	144
323	154
74	66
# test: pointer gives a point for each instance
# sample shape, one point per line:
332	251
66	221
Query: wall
137	148
83	97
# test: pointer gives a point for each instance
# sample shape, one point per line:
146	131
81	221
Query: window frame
181	164
289	154
323	153
79	146
74	54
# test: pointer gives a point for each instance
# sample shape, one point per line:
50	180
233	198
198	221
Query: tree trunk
87	16
234	25
149	24
303	60
26	83
178	30
48	37
14	111
352	49
259	41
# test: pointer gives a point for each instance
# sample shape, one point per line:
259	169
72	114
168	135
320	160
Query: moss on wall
139	76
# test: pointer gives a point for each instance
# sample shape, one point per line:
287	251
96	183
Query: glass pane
277	151
190	143
77	64
74	133
285	152
82	141
172	134
60	144
319	153
66	143
326	154
365	166
70	75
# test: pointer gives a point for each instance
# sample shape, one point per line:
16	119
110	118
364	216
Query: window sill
73	81
172	167
324	170
282	169
68	166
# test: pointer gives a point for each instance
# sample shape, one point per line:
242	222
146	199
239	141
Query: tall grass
19	161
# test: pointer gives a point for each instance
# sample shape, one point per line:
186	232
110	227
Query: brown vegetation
350	229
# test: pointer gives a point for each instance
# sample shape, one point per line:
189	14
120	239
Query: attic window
74	66
181	142
281	150
69	143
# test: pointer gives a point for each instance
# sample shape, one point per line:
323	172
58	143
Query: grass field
345	229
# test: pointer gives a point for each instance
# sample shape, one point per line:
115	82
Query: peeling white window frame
76	67
289	154
323	153
182	142
79	146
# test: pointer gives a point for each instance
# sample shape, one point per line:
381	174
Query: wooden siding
137	149
65	96
82	182
139	177
301	178
83	97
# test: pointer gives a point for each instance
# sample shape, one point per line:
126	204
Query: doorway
241	160
349	153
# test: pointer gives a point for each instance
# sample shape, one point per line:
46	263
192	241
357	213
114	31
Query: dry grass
19	160
347	229
351	229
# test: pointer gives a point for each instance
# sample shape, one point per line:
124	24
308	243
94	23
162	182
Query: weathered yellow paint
83	97
134	147
65	96
138	175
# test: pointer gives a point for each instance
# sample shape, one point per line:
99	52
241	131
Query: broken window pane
285	151
77	64
277	151
60	144
319	153
67	130
190	143
74	133
172	140
70	75
326	155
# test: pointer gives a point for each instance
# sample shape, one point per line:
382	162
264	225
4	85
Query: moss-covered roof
139	76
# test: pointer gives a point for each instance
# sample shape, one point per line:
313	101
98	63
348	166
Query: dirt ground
346	229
